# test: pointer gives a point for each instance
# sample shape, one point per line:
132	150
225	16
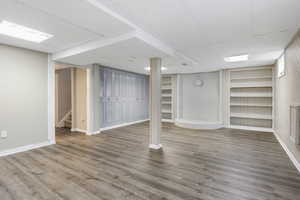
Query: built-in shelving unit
167	98
251	99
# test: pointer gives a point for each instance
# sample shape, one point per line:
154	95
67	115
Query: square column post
155	103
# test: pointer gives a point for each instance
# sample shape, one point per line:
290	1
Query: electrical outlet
3	134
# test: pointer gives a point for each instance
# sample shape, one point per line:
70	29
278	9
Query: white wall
94	108
287	93
79	101
23	97
199	103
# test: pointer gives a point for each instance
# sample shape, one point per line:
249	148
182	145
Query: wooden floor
224	164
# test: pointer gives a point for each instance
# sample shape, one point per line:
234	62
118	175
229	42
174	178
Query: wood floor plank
117	164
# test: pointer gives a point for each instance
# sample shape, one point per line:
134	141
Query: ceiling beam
154	42
138	33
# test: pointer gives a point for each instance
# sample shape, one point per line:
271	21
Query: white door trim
51	100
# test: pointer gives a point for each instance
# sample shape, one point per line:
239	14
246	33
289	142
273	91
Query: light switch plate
3	134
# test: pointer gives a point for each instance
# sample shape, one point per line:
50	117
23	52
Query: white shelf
254	89
251	85
251	116
167	120
166	87
252	78
251	105
252	128
166	95
166	111
243	94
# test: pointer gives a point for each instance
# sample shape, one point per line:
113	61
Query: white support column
155	103
51	100
73	97
93	100
89	101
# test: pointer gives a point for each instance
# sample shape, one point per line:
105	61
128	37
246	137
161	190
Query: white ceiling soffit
209	30
192	36
101	48
129	52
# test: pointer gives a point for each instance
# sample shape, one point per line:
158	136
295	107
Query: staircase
68	121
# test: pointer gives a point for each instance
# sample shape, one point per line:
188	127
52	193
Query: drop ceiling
190	35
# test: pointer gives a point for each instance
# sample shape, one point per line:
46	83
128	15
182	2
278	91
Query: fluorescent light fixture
162	68
237	58
22	32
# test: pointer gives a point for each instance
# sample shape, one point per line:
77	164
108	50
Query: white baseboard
107	128
25	148
249	128
155	146
289	153
93	133
198	124
122	125
78	130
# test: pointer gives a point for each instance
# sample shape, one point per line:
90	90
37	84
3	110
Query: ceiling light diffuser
22	32
162	68
237	58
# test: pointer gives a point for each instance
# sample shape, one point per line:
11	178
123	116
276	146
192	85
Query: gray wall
124	97
23	97
199	103
288	92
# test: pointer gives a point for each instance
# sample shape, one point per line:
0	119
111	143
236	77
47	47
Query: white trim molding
78	130
25	148
107	128
122	125
289	153
198	124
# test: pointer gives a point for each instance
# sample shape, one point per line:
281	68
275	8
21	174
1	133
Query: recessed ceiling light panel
239	58
22	32
162	68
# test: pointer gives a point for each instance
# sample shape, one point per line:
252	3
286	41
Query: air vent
295	123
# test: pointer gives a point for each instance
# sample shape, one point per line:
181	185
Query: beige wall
23	97
62	93
80	98
287	93
199	103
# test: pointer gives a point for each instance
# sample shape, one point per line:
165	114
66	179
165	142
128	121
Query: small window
281	66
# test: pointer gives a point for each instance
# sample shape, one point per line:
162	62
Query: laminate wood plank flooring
220	164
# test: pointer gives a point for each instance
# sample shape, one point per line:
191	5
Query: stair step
68	125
